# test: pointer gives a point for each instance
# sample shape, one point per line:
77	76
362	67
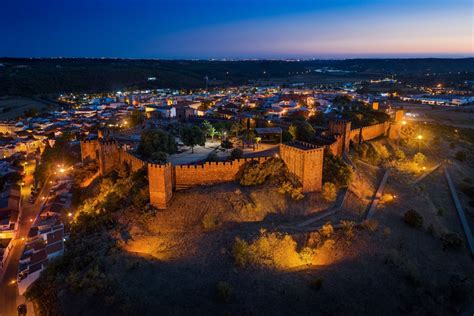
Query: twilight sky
237	28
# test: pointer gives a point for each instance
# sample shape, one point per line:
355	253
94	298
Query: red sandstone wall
209	173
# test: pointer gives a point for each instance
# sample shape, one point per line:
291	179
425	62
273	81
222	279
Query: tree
213	132
329	192
227	144
336	171
156	144
235	129
302	131
192	135
207	126
136	118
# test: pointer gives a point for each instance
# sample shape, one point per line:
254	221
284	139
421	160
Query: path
8	289
461	214
378	195
428	172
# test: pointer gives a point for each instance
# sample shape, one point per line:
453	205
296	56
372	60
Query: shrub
327	230
240	252
440	212
236	153
413	218
314	239
209	221
255	173
461	155
316	285
406	267
370	224
329	192
399	154
288	188
223	291
419	159
270	249
348	228
452	241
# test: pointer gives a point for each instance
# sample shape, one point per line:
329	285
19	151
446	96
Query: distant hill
22	76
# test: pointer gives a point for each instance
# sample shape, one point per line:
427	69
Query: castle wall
355	136
133	162
305	165
210	172
374	131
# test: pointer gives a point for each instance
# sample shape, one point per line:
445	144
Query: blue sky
236	29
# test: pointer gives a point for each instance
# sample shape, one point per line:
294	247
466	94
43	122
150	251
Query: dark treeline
25	76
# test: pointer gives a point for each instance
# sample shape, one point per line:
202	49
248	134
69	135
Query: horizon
211	29
289	59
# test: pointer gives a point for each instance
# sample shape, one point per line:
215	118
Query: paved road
8	286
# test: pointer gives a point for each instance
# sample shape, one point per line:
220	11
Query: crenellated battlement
305	164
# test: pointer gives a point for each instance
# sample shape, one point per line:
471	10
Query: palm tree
212	132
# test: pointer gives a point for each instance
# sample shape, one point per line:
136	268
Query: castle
304	161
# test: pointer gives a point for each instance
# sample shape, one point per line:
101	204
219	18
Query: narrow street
28	212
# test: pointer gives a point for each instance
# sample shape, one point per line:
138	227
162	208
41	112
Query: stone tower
343	128
160	183
108	156
305	164
89	149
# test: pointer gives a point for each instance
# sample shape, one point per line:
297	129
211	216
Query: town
292	178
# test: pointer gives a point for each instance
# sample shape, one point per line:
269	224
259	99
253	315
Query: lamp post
419	137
